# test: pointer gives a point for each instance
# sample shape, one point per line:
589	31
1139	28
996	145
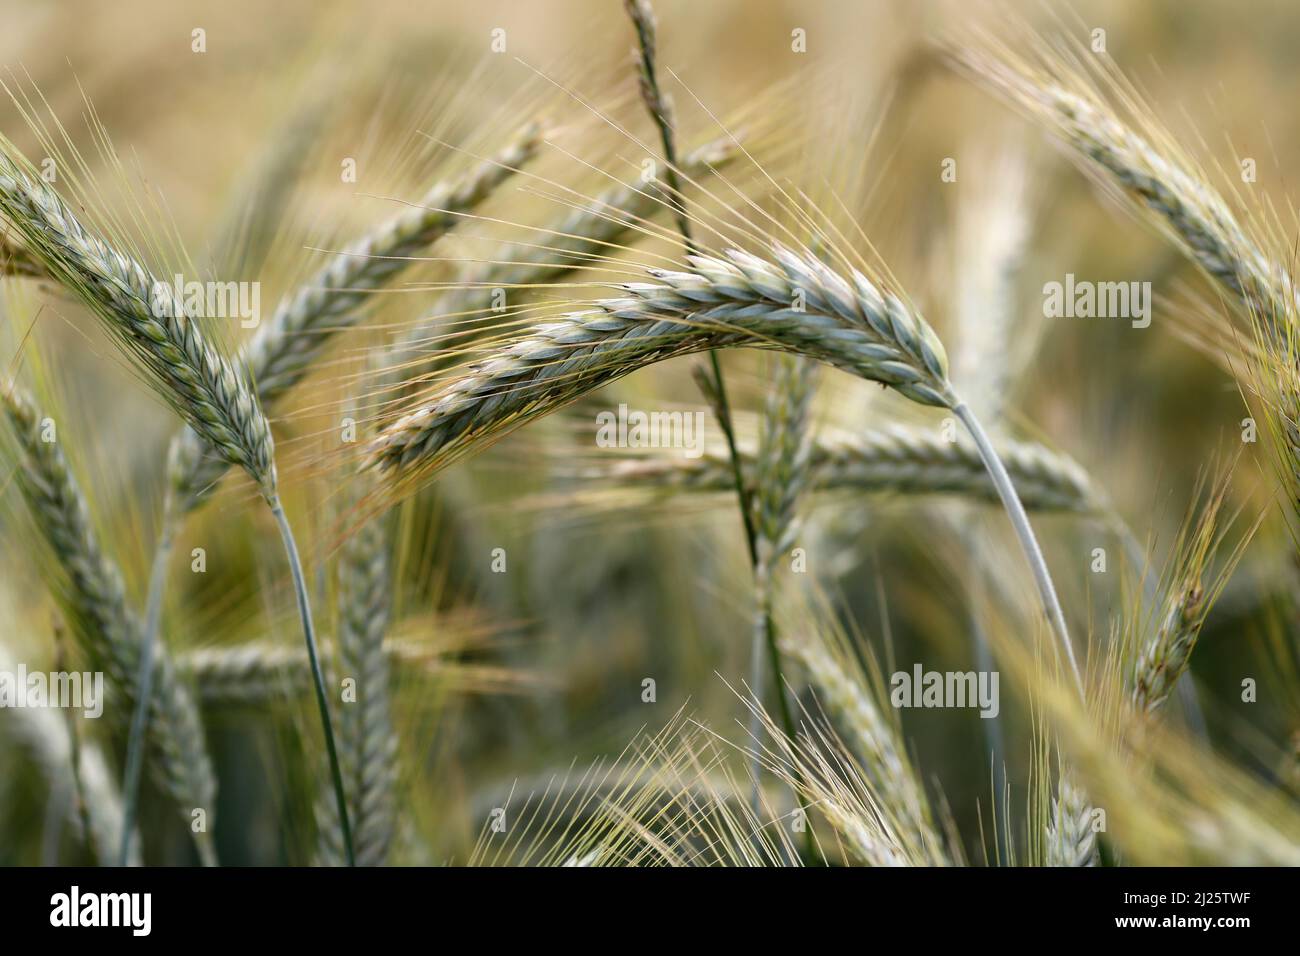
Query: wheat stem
144	680
318	678
1024	532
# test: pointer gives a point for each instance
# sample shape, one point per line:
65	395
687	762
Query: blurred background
523	676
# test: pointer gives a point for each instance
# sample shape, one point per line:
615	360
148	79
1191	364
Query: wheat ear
259	673
781	474
897	459
256	673
1164	660
737	300
153	327
289	344
1171	189
878	743
367	742
96	601
147	318
793	303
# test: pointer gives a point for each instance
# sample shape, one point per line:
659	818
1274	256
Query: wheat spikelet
288	345
97	601
1071	840
1164	660
739	300
897	459
147	318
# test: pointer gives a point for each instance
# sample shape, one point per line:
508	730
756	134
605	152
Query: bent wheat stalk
792	302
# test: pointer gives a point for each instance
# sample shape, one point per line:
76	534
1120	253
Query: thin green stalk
661	112
318	678
761	640
721	406
1028	542
135	742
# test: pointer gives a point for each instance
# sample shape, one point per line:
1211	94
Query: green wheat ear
145	317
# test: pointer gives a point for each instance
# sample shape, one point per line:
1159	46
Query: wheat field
649	434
